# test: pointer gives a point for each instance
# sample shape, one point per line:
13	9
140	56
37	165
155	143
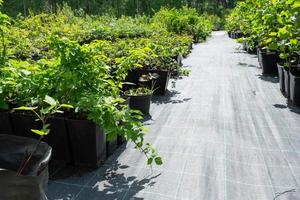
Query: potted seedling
268	61
140	97
24	161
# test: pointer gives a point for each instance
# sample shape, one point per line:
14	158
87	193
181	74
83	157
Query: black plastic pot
88	142
191	45
178	59
32	184
281	79
238	34
58	138
23	123
286	82
160	84
232	35
120	140
111	146
295	87
141	103
235	34
268	62
229	34
5	123
251	50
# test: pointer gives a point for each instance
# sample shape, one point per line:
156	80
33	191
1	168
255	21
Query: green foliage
118	8
184	21
139	91
82	61
44	113
274	25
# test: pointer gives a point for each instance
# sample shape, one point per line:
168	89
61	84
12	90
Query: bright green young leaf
66	106
49	100
39	132
269	40
294	42
296	5
26	108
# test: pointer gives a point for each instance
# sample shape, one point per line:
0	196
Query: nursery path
225	133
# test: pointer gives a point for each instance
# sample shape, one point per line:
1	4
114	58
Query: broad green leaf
49	100
296	5
158	161
150	161
269	40
294	42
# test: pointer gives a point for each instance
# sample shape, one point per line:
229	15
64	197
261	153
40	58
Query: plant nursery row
91	78
272	30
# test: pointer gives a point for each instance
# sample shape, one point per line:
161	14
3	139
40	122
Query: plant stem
22	167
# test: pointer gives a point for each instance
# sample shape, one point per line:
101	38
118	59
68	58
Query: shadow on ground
113	184
112	180
293	108
168	98
280	106
271	79
289	106
246	65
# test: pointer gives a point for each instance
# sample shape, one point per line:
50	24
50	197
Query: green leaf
49	100
4	105
66	106
269	40
39	132
26	108
296	5
158	161
150	161
294	42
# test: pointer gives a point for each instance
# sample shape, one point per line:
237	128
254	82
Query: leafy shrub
184	21
273	25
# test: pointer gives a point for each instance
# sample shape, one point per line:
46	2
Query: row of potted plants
83	83
88	75
272	30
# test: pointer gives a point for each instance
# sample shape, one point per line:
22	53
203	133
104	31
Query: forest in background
116	7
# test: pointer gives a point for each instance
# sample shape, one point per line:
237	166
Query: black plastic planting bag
32	184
